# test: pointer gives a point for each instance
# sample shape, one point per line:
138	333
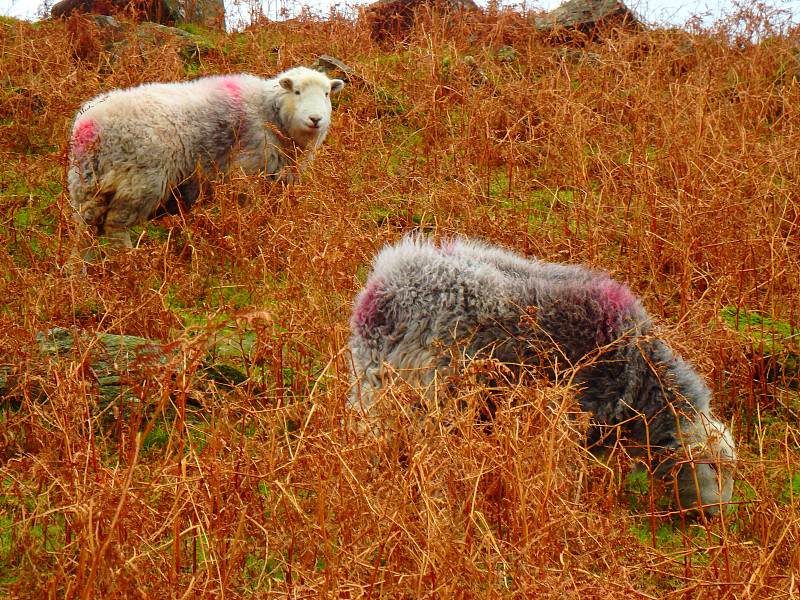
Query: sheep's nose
315	120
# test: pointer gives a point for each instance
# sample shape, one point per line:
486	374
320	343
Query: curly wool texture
153	146
425	309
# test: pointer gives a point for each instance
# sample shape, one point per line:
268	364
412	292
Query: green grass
773	342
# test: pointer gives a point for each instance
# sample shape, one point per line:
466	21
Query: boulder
207	13
120	369
478	76
587	17
392	19
190	46
96	35
385	101
578	57
333	68
450	66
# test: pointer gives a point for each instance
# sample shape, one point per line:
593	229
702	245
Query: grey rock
450	66
116	362
207	13
123	367
587	16
177	10
191	47
333	67
115	39
65	7
578	57
390	19
506	54
107	21
478	76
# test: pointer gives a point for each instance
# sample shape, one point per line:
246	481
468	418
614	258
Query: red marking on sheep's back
448	247
615	299
232	88
366	306
83	135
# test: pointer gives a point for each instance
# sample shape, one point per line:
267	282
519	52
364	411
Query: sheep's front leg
81	252
119	238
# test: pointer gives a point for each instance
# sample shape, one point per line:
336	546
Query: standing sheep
153	147
426	310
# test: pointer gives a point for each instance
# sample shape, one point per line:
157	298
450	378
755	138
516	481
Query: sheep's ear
336	85
286	83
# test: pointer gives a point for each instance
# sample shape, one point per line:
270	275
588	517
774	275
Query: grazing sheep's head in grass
703	475
428	311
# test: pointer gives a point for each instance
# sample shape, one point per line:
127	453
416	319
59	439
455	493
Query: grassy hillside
669	159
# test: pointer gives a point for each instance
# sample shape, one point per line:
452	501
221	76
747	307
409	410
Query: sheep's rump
426	310
143	147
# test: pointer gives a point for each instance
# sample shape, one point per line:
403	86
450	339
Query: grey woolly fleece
425	309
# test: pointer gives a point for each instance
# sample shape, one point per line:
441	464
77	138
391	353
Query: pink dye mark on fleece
232	88
84	134
366	306
615	299
448	246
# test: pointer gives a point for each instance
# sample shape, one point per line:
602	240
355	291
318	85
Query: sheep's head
703	478
306	104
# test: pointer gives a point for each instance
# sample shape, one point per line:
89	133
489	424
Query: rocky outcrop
392	19
122	372
191	47
333	68
587	17
96	35
385	102
207	13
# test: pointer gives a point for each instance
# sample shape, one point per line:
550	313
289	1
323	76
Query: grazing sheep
426	310
153	147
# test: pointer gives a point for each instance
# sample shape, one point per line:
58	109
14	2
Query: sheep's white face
306	106
708	480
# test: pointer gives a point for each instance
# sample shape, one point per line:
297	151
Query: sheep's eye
297	93
327	94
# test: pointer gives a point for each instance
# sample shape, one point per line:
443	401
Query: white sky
651	11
